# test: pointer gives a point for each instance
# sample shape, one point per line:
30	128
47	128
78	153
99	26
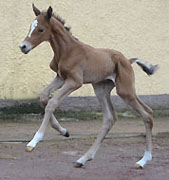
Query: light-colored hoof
137	166
29	148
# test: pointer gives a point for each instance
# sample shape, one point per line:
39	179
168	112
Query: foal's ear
49	12
36	10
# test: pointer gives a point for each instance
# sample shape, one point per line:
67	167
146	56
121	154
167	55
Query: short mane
62	21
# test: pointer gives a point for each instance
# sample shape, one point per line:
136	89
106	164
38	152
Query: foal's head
40	30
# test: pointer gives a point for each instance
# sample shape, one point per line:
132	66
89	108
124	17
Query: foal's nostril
23	47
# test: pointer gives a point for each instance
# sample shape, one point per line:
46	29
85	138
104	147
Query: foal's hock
75	64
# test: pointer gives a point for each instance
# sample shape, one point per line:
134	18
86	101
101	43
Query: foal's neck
61	40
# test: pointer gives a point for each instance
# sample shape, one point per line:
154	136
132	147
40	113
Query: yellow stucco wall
138	28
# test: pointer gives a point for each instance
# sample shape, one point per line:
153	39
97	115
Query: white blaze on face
33	26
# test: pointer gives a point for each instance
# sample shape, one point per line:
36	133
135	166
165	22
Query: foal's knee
43	98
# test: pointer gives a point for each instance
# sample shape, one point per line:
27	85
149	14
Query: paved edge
90	103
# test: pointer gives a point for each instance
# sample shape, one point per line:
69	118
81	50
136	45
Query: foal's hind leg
146	108
128	95
102	91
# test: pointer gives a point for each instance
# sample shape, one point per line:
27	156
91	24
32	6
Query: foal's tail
148	68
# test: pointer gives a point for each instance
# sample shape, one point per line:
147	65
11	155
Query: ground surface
53	158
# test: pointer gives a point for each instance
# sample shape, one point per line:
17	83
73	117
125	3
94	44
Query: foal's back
99	63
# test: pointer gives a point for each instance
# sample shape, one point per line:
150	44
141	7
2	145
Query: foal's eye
40	30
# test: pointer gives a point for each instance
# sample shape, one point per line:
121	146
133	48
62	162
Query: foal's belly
98	66
94	79
99	72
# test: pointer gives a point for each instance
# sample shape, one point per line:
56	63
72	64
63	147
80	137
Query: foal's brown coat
76	64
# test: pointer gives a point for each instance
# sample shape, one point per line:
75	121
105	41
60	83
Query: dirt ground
53	158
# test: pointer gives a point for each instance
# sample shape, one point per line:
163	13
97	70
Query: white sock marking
63	131
147	157
38	137
33	26
82	160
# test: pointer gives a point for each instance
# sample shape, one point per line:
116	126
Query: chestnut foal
75	64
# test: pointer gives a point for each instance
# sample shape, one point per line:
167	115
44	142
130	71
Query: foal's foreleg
55	124
44	98
68	87
46	92
102	91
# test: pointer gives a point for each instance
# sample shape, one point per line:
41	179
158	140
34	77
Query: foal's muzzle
25	47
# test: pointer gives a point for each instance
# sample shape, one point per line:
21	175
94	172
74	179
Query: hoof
67	134
29	148
137	166
78	165
90	159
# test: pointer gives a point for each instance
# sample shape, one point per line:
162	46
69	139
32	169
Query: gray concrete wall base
90	103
